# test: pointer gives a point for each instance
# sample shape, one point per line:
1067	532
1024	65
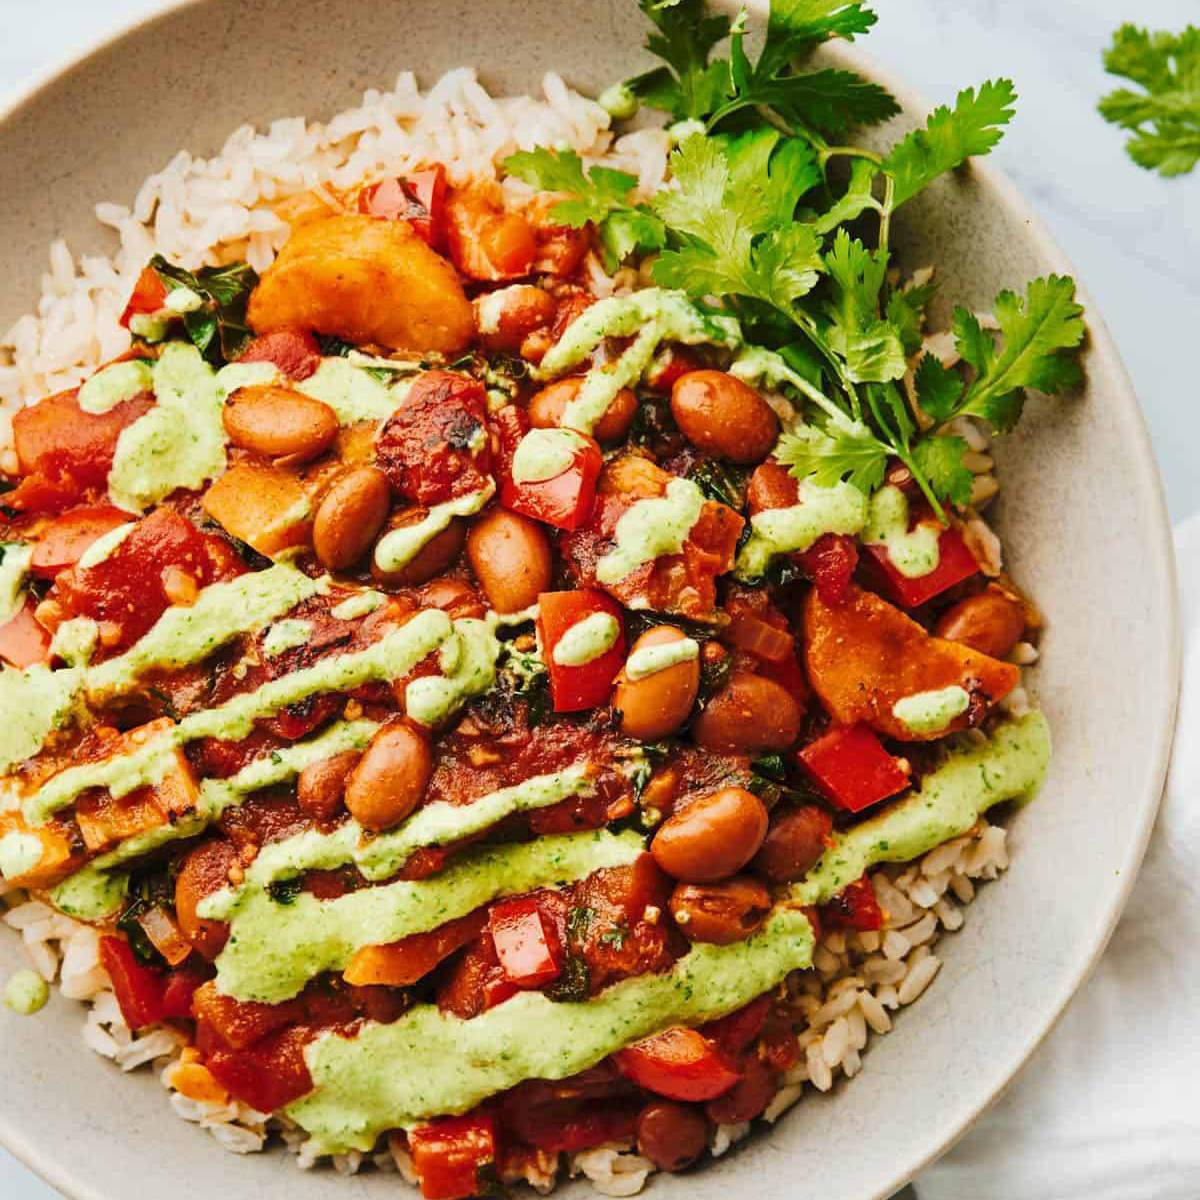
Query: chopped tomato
241	1023
402	963
854	907
955	563
852	769
128	589
681	1064
435	446
560	248
565	500
149	296
179	991
294	351
486	241
733	1033
23	639
673	364
419	198
64	540
64	452
527	943
830	563
139	989
576	1125
449	1154
588	685
476	981
268	1075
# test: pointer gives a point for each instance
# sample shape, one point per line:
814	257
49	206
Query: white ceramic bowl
1081	514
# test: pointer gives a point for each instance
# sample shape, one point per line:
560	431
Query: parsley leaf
871	347
940	458
1036	330
688	88
906	311
951	136
599	195
1165	117
732	216
849	452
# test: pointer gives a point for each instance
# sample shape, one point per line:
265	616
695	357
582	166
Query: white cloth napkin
1109	1108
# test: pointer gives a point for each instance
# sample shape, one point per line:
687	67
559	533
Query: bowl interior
1080	513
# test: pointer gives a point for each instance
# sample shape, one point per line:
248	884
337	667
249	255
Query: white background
1135	239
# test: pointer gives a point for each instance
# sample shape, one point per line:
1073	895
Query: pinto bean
656	705
795	841
747	1098
725	912
712	838
750	715
278	422
506	317
990	623
321	784
350	516
390	778
546	409
204	871
671	1135
510	555
432	559
724	417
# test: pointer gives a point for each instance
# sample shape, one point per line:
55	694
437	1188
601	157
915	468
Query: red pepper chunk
955	563
854	907
830	562
527	944
139	989
574	688
149	296
681	1064
449	1154
268	1075
733	1033
419	199
65	539
564	501
852	769
23	639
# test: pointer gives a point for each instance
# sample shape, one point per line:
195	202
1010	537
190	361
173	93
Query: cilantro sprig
773	215
215	320
1164	117
599	196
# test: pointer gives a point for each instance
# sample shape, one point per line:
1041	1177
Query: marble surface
1134	238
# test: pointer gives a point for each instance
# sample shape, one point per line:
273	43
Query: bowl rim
1105	359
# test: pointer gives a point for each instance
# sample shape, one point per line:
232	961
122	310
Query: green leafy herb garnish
1164	118
600	196
217	324
285	891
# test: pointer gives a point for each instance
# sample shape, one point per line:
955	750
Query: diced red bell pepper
854	907
852	769
955	563
65	539
23	639
149	296
670	367
294	351
241	1023
419	198
268	1075
566	500
681	1064
830	562
181	987
573	688
527	943
139	989
733	1033
578	1125
449	1154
